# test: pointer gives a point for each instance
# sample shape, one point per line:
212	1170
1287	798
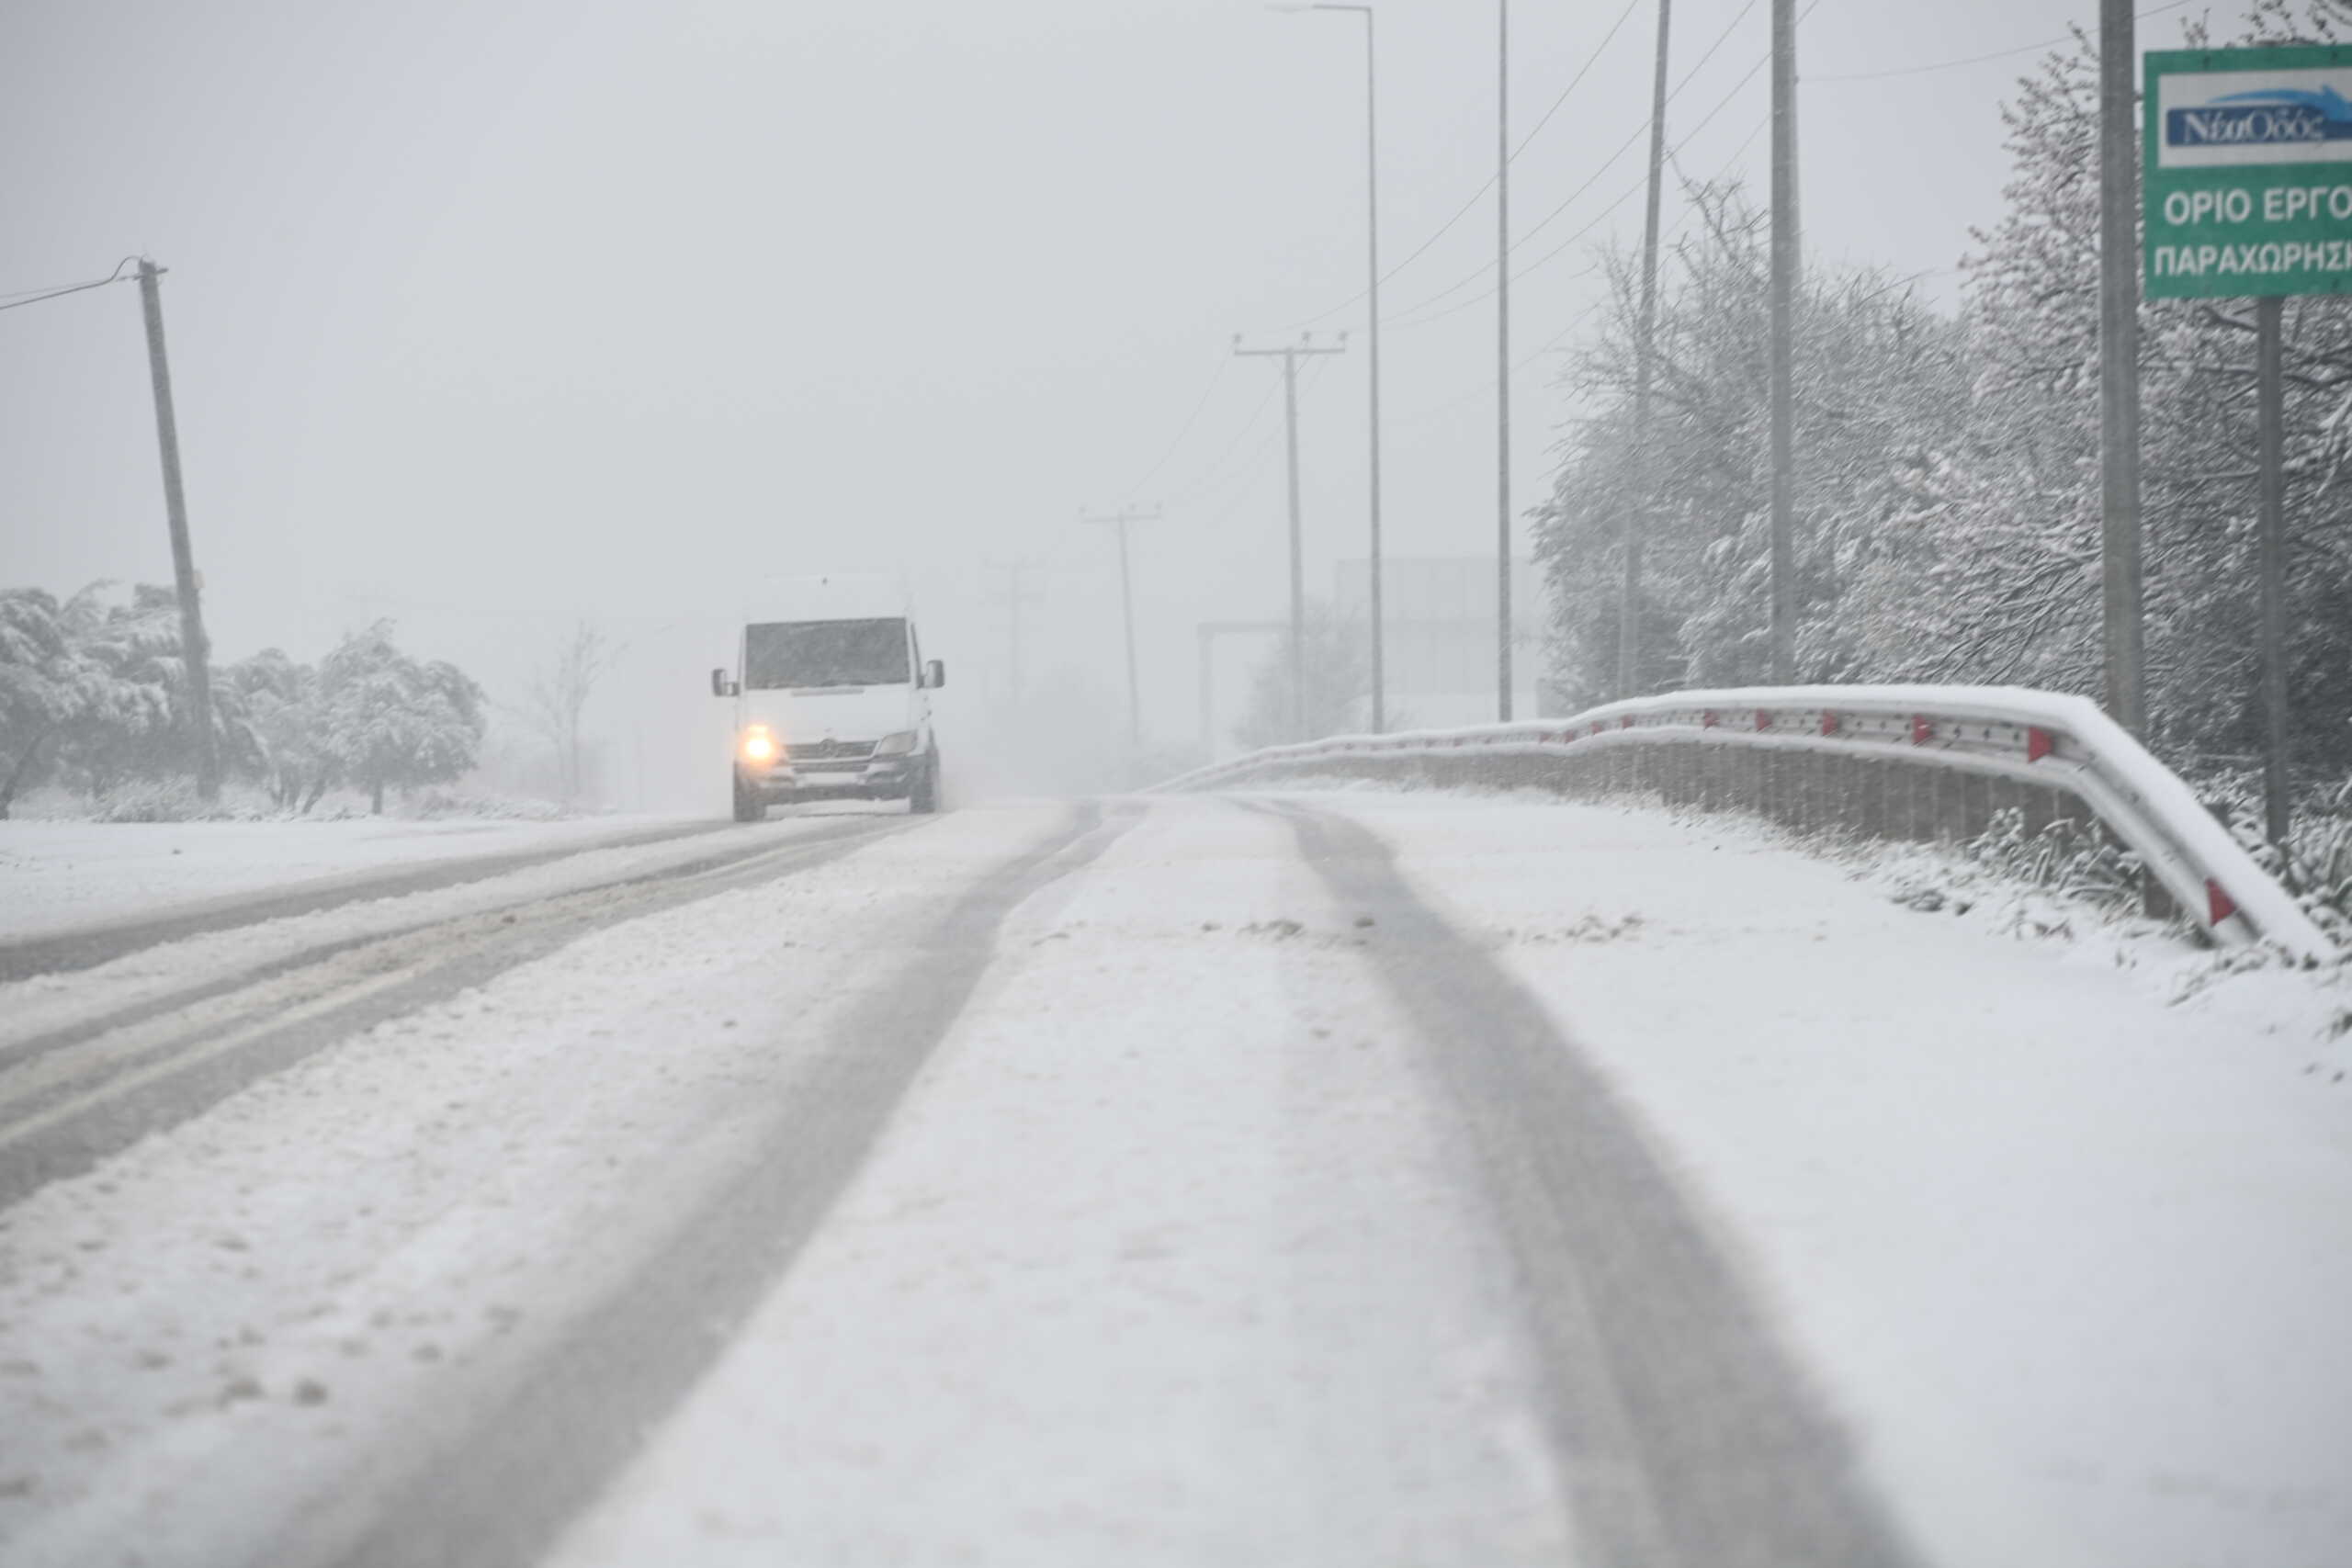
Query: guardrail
1913	763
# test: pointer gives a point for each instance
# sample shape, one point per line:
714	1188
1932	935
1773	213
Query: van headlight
897	745
759	744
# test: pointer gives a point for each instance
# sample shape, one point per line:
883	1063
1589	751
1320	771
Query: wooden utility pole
1502	361
1784	278
1289	355
2118	368
1629	602
195	652
1120	519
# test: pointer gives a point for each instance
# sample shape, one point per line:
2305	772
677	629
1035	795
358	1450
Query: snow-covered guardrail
1891	762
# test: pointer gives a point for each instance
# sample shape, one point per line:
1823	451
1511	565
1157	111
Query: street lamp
1372	293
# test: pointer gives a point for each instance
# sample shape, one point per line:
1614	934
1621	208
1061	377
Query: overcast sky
488	316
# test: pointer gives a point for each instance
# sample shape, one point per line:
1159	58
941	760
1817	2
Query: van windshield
825	653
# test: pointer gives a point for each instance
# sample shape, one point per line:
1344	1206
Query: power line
1189	419
1598	217
1980	59
1607	164
34	297
1209	473
1479	195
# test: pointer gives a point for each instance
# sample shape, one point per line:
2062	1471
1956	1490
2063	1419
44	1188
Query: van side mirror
935	674
721	686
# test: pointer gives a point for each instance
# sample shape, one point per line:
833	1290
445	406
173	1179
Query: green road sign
2246	173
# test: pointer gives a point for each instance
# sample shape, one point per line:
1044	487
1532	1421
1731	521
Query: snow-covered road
1306	1180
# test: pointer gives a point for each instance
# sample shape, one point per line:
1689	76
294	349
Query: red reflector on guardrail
1707	719
1828	724
1921	731
2037	744
1763	719
2218	906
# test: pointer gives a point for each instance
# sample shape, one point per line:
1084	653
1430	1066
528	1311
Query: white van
832	699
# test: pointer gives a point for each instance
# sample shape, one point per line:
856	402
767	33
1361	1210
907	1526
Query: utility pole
2118	368
1290	354
2271	549
1629	612
195	651
1372	293
1503	360
1784	271
1120	519
1014	594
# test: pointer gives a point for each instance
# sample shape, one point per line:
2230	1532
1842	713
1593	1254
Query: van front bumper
878	778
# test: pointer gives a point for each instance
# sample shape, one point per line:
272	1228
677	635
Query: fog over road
1299	1178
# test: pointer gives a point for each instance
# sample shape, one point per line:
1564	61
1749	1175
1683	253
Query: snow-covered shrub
2072	859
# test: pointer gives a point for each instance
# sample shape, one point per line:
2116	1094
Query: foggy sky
489	317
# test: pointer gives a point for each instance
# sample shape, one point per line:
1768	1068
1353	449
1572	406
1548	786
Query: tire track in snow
61	1117
1686	1436
86	946
503	1492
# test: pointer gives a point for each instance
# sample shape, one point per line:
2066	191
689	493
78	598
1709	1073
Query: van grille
829	750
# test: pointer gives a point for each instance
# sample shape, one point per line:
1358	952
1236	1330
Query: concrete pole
2118	368
195	651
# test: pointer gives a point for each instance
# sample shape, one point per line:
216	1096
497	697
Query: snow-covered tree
1881	377
40	685
391	721
281	702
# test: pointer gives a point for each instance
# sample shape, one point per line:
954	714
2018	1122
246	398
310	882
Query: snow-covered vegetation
1947	490
93	700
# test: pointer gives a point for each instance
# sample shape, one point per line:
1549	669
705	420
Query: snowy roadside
2255	989
260	1313
41	1003
58	874
2065	1236
1166	1262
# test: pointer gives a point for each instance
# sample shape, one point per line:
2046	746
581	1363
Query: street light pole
1503	360
1371	296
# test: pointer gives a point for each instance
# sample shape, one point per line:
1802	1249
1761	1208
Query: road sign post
2246	183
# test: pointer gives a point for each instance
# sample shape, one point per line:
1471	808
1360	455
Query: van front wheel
923	794
749	806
